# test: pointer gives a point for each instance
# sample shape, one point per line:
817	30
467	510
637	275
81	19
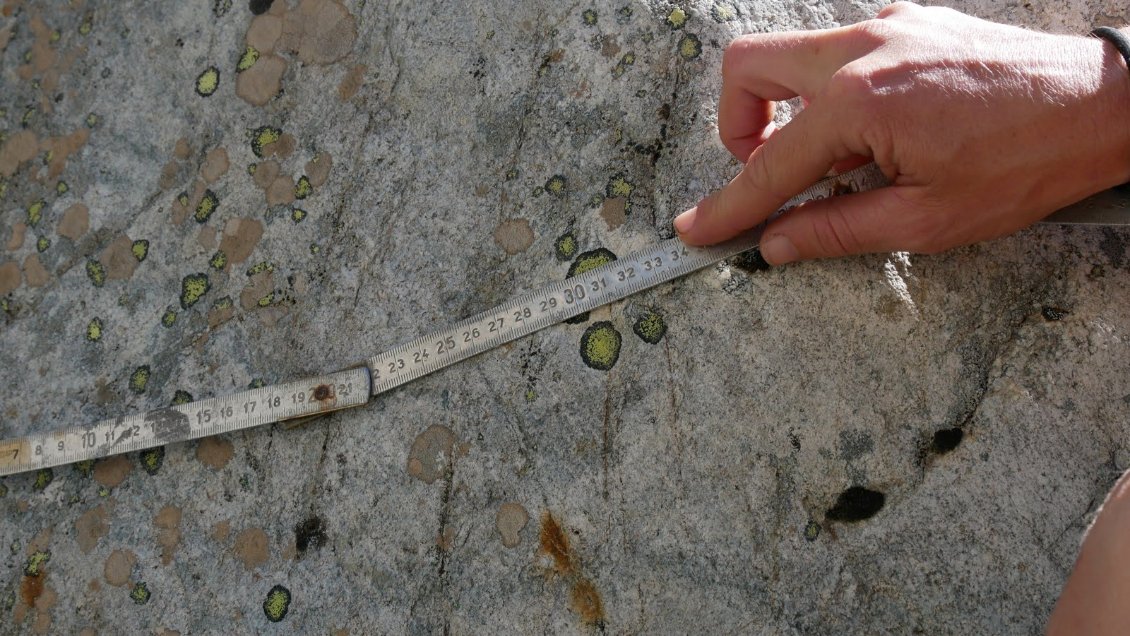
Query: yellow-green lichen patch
3	184
35	562
96	272
257	383
140	249
182	199
192	288
690	47
263	136
315	249
248	59
650	327
87	25
677	18
600	346
35	212
218	260
556	185
260	267
169	318
297	215
531	396
622	66
565	246
91	120
85	467
139	379
811	531
723	12
589	17
42	243
152	459
43	478
181	397
208	81
3	490
208	204
61	187
303	189
266	300
588	261
94	329
618	186
277	603
140	593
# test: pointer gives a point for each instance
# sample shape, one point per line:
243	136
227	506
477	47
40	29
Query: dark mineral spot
310	533
1052	314
856	504
750	261
259	7
946	440
323	392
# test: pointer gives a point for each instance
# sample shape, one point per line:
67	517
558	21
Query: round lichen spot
260	267
169	318
248	59
690	47
140	593
181	397
87	25
140	249
61	187
565	246
42	243
139	379
618	186
91	120
206	207
589	17
677	18
263	136
600	346
218	260
588	261
208	81
303	189
152	459
650	328
96	272
35	562
811	531
94	329
43	478
277	603
182	199
297	215
556	185
315	249
192	288
724	12
251	168
35	212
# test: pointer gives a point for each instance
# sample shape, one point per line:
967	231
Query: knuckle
735	54
852	82
897	8
759	175
834	234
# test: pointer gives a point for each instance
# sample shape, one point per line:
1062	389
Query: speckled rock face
200	197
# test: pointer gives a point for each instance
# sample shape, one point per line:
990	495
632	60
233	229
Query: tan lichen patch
318	168
18	149
319	31
221	530
240	238
262	81
261	284
207	237
118	259
281	191
266	173
282	147
42	56
514	236
214	451
510	521
168	175
60	148
352	82
431	453
215	165
10	277
264	32
112	471
251	548
167	523
91	527
75	223
613	212
17	239
34	272
181	150
118	567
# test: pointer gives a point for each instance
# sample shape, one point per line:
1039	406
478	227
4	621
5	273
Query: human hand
982	129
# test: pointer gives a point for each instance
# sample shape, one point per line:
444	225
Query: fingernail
684	221
778	250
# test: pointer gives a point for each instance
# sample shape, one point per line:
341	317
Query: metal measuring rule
668	260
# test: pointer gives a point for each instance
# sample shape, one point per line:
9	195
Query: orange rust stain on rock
214	451
319	31
119	259
431	454
34	272
20	148
112	471
318	168
555	543
215	164
75	223
585	601
17	239
118	567
167	522
260	83
10	277
240	238
352	82
91	527
251	548
43	605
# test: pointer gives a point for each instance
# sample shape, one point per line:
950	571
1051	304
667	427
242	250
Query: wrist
1115	112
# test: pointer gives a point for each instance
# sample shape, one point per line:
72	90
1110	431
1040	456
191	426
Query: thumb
882	220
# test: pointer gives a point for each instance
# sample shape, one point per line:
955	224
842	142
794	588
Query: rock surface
877	444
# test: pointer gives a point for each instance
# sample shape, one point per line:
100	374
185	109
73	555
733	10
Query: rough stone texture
691	481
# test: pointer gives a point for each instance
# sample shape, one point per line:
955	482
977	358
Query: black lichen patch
946	440
152	459
750	261
192	288
206	207
690	47
650	327
856	504
277	603
220	8
259	7
578	319
1053	314
600	346
140	593
310	533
